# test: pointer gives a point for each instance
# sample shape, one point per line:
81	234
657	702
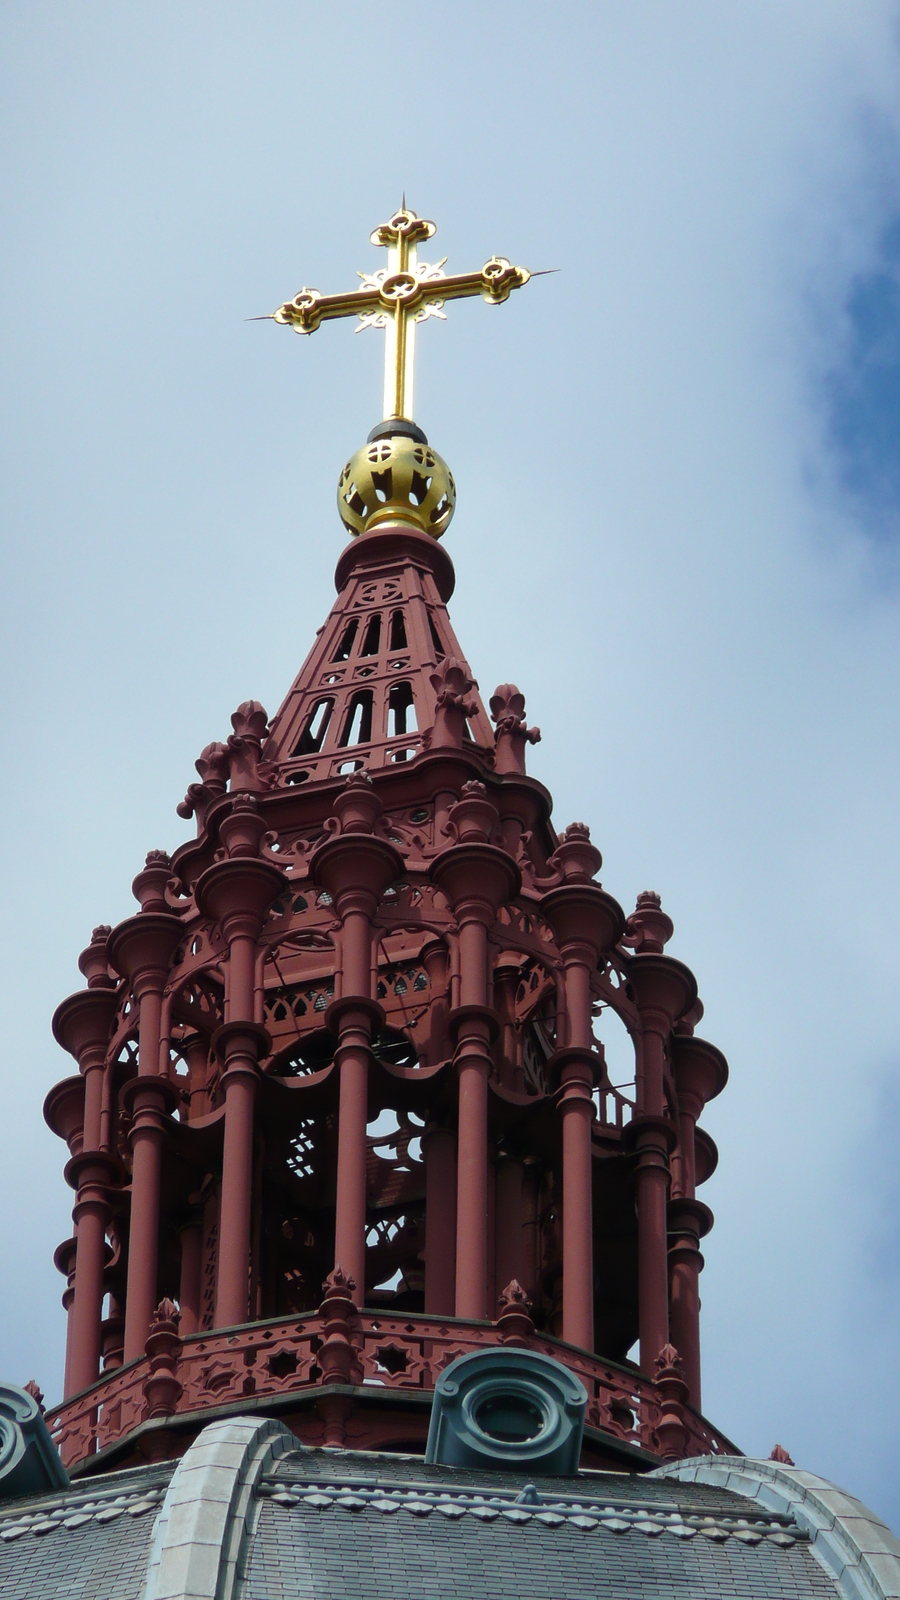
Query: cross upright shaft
398	296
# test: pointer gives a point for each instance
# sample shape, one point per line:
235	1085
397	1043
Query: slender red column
664	989
141	948
189	1290
350	1197
238	892
81	1025
239	1044
148	1129
587	922
477	878
354	1017
474	1063
510	1243
439	1148
64	1262
355	868
64	1114
700	1072
439	1152
507	973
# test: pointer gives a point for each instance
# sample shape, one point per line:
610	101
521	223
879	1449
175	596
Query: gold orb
396	479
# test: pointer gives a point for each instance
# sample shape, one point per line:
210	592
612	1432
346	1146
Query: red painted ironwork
399	1353
354	1034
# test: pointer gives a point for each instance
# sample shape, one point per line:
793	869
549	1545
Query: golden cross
398	296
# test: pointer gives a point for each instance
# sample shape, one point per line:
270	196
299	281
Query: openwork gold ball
396	479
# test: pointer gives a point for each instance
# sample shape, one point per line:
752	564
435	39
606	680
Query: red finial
212	765
244	746
780	1455
648	929
511	736
474	819
242	829
575	858
357	805
94	960
452	683
149	887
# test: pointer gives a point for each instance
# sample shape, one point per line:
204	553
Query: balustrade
265	1360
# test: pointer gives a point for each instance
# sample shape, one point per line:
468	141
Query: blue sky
862	395
677	530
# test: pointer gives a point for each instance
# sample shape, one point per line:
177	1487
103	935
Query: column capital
81	1024
649	1137
240	1038
583	914
690	1217
476	879
663	988
473	1022
238	892
141	948
64	1111
93	1169
576	1066
700	1072
150	1101
341	1014
64	1255
356	865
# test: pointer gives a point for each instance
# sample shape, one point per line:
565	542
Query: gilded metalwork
396	480
397	297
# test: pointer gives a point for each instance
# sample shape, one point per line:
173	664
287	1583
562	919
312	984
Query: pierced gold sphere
396	479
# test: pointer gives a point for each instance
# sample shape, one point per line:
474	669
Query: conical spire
382	667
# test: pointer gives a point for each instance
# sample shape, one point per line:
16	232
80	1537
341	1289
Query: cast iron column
439	1152
477	878
663	989
586	922
355	868
238	893
700	1072
141	948
81	1025
64	1113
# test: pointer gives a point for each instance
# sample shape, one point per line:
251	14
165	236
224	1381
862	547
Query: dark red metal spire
341	1113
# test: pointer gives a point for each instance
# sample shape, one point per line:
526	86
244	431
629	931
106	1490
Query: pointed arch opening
342	653
401	711
398	631
372	642
313	736
357	727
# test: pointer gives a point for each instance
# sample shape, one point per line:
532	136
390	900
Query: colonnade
466	1212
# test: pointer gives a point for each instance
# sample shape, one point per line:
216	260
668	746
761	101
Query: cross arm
495	283
309	307
401	290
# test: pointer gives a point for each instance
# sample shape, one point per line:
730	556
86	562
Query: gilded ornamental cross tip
398	296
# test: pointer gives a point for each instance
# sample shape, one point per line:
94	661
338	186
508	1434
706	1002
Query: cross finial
398	296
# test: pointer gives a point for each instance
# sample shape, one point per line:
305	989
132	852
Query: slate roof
89	1542
247	1514
371	1527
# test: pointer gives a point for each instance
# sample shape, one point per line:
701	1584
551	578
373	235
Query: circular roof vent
504	1408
